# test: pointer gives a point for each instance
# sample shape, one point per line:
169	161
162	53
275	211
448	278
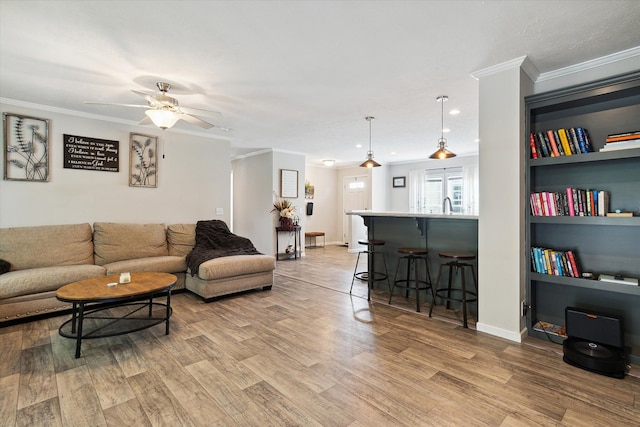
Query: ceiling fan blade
196	121
150	98
205	113
117	105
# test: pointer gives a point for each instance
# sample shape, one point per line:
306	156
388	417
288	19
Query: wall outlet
219	211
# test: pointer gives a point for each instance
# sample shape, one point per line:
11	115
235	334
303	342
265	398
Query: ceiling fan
164	110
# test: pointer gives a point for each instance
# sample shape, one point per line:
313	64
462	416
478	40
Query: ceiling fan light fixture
370	163
162	118
442	152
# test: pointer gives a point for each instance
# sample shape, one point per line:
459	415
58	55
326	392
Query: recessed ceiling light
358	145
454	112
445	130
476	140
393	153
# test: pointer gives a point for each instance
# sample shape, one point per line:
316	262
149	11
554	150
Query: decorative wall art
83	152
399	181
26	148
289	183
143	160
308	190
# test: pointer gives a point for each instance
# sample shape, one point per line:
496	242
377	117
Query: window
432	186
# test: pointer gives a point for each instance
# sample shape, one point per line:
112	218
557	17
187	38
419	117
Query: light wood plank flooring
304	353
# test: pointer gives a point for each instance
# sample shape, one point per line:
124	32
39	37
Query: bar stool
455	262
412	256
373	276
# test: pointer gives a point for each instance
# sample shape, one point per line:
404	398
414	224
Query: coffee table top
96	289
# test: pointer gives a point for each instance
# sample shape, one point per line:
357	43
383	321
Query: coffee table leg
150	306
168	310
73	318
79	337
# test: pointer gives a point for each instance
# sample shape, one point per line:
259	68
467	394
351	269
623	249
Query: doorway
355	196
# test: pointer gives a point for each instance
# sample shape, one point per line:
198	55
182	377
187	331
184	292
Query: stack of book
560	142
554	262
622	141
571	202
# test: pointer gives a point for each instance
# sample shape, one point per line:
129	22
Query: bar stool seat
412	256
366	275
455	261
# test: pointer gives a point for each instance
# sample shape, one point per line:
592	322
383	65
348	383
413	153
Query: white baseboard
502	333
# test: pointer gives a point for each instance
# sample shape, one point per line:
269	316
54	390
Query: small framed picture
143	160
399	181
26	148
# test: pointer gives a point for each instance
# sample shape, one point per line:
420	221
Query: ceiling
300	75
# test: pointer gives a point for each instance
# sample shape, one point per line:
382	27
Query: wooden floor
304	353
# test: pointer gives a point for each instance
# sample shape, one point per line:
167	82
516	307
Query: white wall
326	202
253	199
501	221
256	179
193	179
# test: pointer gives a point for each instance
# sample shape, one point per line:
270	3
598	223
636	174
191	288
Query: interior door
355	196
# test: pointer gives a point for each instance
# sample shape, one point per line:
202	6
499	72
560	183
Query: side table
297	245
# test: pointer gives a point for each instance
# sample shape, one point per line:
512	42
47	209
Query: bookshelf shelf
586	220
601	244
587	284
584	158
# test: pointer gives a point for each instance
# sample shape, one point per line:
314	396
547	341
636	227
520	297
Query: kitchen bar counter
431	231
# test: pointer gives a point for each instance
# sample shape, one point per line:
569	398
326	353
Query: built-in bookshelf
602	244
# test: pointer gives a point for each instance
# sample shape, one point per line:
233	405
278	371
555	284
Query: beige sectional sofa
44	258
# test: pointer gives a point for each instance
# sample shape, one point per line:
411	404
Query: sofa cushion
236	265
160	264
47	245
181	238
119	241
37	280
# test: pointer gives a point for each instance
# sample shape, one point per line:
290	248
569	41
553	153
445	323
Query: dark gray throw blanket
215	240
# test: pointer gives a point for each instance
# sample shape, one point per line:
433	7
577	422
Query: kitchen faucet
444	206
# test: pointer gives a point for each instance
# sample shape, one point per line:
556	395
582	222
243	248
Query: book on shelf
571	202
559	142
625	136
552	140
551	329
554	262
532	147
565	142
622	145
618	279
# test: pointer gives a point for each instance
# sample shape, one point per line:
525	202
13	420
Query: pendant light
442	152
370	163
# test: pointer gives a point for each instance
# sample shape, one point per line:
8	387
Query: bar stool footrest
364	276
460	299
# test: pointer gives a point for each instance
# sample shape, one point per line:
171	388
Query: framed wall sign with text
288	183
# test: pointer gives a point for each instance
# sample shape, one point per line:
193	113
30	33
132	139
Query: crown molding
520	62
624	55
74	113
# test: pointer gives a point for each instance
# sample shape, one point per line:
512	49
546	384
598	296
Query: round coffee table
93	300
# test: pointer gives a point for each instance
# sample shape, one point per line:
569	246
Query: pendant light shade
370	163
442	152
